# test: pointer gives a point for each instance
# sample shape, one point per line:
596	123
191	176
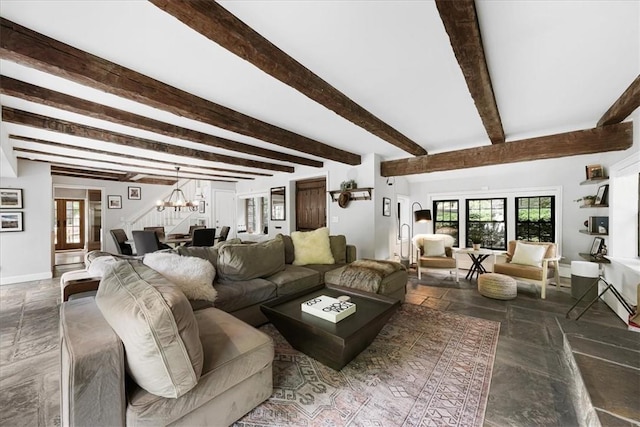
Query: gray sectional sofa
229	370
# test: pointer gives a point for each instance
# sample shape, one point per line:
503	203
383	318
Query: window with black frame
535	218
487	222
446	219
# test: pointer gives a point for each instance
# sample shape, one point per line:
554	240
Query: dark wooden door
69	226
311	204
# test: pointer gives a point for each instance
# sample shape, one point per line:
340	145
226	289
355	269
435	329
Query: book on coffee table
328	308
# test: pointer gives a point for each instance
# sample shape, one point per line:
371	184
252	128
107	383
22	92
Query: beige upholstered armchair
433	251
533	262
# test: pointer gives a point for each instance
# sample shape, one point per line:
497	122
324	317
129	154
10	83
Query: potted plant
476	240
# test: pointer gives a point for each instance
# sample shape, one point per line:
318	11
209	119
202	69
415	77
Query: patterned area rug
425	368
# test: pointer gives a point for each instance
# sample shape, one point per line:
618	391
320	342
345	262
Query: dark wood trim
169	165
624	106
152	170
23	90
597	140
461	23
219	25
76	129
27	47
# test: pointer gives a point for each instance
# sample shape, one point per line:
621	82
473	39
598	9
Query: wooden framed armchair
433	251
533	269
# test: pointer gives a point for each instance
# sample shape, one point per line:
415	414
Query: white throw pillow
433	247
99	266
312	247
194	276
528	254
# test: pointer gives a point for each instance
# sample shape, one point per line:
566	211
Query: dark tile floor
535	377
549	370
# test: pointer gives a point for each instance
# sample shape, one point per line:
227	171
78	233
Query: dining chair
203	237
224	232
120	237
159	231
146	241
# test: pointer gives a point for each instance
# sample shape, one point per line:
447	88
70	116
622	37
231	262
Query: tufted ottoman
497	286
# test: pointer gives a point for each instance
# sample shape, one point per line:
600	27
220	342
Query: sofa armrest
92	374
351	253
77	286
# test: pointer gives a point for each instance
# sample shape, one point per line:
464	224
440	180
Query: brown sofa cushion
289	251
246	262
339	248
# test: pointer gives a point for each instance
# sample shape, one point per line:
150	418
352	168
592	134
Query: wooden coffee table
333	344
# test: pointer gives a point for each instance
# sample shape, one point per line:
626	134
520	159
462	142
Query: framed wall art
135	193
11	221
386	206
601	196
11	198
114	202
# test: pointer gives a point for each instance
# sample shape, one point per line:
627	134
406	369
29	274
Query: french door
69	224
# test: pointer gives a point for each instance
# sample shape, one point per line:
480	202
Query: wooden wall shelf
594	181
593	234
356	193
591	258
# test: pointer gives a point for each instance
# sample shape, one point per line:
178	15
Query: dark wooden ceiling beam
608	138
151	170
219	25
461	23
94	173
27	47
87	175
25	118
624	106
163	164
23	90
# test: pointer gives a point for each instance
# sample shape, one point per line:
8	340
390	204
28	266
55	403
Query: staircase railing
169	218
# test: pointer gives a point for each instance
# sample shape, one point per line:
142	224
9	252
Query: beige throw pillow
433	247
528	254
312	247
155	322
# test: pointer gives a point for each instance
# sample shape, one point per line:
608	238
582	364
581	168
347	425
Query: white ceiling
555	66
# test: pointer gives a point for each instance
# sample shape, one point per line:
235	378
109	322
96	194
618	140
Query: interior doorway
311	204
69	224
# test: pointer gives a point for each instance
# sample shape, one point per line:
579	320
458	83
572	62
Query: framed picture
595	172
135	193
114	202
11	221
601	196
201	206
596	245
386	206
10	198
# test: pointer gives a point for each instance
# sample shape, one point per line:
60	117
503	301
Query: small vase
476	246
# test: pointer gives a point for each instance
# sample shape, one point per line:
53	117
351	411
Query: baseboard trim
25	278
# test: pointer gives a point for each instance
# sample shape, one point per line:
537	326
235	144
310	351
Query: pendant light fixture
176	200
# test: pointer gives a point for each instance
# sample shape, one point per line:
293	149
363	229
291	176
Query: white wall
361	221
565	172
26	255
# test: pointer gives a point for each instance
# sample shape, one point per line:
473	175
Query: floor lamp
420	215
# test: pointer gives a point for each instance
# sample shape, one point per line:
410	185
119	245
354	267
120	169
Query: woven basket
497	286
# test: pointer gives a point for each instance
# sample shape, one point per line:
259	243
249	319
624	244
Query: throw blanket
367	274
